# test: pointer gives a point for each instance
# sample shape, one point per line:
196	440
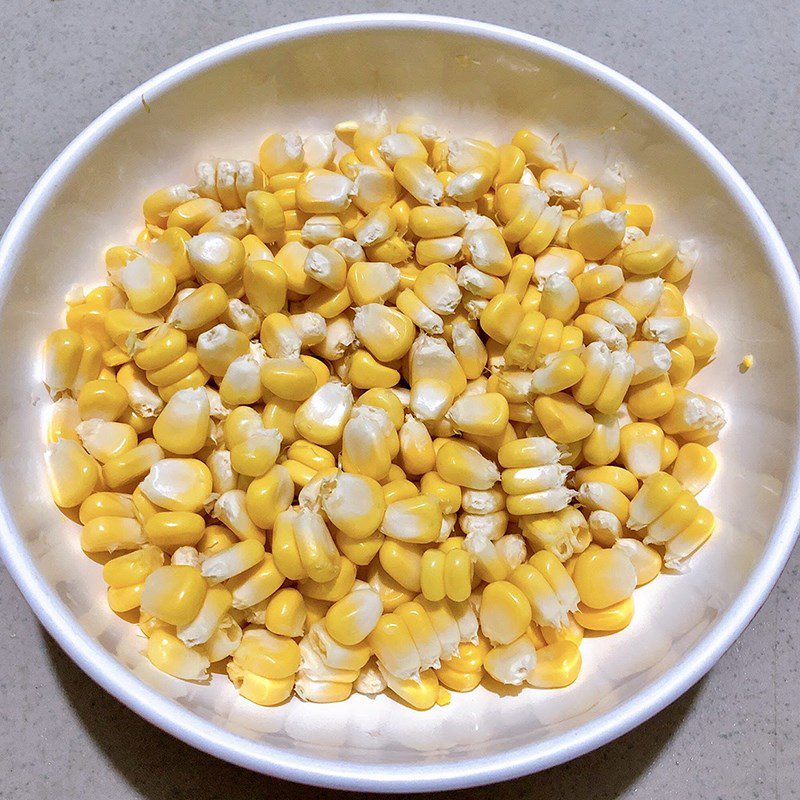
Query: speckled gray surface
735	74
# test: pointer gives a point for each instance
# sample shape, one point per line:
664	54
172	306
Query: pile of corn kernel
384	411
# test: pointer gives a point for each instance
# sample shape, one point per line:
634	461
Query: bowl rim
192	729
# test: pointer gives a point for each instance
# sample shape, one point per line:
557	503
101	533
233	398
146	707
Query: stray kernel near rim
384	411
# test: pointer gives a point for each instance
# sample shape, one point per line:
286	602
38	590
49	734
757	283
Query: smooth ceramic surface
475	78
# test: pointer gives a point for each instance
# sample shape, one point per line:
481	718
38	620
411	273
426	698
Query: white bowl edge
176	720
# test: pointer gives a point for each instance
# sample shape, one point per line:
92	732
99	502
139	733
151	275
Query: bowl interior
471	84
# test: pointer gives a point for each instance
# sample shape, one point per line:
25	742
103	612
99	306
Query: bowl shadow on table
160	767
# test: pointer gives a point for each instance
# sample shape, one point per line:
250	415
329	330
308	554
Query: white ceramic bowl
480	80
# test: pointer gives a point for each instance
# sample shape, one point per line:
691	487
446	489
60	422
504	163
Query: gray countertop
732	69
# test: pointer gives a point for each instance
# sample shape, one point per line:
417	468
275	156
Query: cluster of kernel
384	411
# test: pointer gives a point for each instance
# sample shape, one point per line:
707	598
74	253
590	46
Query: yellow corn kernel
501	318
258	689
158	205
321	191
562	418
652	399
648	255
646	560
169	654
315	549
606	620
511	663
420	693
448	494
172	529
681	546
289	378
193	214
701	339
415	519
256	454
570	632
394	647
669	452
280	153
557	665
657	494
215	538
372	282
265	215
167	376
284	546
147	284
430	357
265	286
505	613
184	424
265	654
216	604
291	258
64	419
143	507
105	504
219	347
694	466
285	614
365	372
596	235
268	495
160	347
107	534
403	562
326	266
463	465
394	250
174	594
125	598
254	585
463	671
369	443
482	415
419	180
177	484
538	153
322	417
322	230
105	440
446	574
436	222
416	448
280	414
641	445
63	350
71	472
638	215
604	577
232	561
519	278
332	589
529	452
510	165
279	337
682	365
559	371
387	401
199	308
352	618
550	600
132	568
